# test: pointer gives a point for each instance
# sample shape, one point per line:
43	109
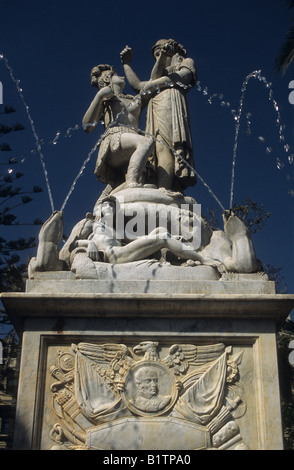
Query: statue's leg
147	245
186	251
165	166
140	148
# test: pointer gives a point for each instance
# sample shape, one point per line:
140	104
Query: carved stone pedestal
148	370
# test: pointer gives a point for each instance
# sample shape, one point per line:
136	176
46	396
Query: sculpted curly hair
174	46
98	80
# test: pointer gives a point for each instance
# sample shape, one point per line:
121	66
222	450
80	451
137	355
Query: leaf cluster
12	196
284	337
286	53
252	213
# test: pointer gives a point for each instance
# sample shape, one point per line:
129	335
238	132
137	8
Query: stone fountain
147	330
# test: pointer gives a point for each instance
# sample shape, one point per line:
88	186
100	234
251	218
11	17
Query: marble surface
226	343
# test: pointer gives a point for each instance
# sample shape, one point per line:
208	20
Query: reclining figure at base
230	250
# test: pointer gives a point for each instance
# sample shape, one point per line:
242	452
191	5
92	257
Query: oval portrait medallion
150	389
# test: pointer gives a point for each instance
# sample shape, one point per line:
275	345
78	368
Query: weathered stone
221	344
121	351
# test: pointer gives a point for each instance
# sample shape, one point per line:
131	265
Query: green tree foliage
252	213
12	195
286	54
284	337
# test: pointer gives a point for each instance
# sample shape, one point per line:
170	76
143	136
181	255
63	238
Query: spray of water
257	75
237	130
80	173
210	97
32	124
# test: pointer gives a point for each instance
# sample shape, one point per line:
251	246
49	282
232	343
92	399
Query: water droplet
10	170
291	192
279	164
54	142
261	139
287	147
282	138
290	159
268	150
205	91
1	56
211	98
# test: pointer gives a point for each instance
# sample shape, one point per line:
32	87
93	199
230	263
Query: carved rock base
148	371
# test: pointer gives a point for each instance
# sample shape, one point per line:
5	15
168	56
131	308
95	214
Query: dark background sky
52	46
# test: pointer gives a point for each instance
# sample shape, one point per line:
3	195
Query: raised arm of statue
183	76
169	69
160	64
126	56
171	57
95	110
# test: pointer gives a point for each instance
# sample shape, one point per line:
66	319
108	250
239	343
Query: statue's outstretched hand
126	55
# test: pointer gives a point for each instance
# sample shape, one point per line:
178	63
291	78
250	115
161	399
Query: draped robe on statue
168	120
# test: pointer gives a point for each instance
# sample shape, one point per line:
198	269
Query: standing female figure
168	115
123	151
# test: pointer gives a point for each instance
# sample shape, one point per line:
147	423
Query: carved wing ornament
105	383
180	357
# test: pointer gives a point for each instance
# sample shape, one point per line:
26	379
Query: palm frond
286	54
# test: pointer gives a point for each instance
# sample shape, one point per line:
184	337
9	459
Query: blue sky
52	46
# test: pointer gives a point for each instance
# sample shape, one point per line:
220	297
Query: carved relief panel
114	396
